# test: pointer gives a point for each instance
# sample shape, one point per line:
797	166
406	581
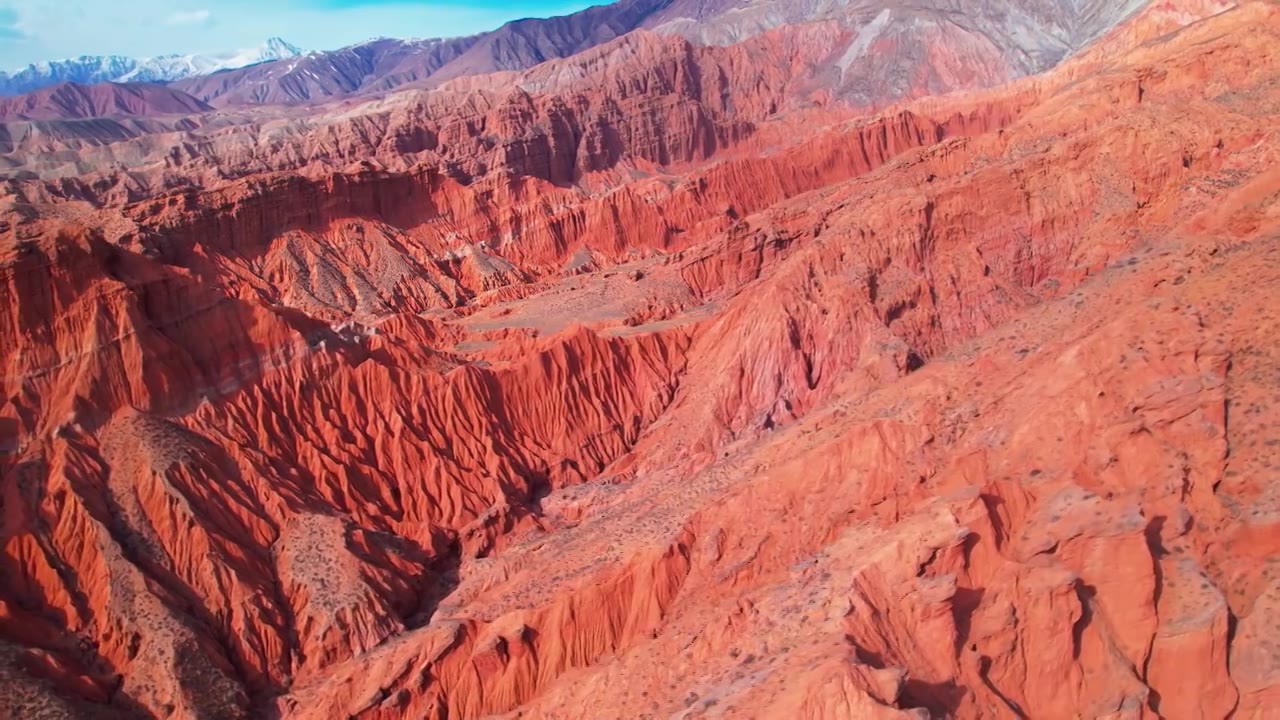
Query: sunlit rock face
683	376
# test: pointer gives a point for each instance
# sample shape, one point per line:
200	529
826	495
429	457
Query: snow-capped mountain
85	70
175	67
90	69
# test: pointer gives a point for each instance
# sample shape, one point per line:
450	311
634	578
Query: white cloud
189	17
11	25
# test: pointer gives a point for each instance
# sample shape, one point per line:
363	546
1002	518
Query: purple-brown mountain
73	101
878	48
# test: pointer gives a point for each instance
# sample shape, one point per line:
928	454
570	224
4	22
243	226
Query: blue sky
34	30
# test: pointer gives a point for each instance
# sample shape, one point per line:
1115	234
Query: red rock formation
578	412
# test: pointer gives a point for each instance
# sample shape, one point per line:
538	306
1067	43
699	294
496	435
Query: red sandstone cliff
895	421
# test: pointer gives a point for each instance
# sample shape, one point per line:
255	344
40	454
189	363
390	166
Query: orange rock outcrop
688	397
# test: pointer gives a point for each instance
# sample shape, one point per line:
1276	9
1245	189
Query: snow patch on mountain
90	69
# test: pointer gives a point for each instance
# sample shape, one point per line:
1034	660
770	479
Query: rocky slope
386	64
873	50
889	50
653	388
69	101
862	55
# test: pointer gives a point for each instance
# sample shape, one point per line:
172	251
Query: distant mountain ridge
384	64
70	101
882	49
92	69
871	51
